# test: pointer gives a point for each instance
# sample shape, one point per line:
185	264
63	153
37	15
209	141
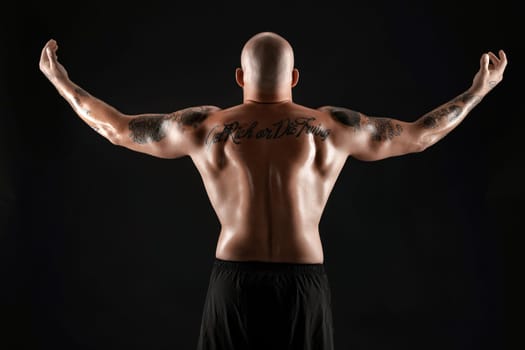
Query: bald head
267	62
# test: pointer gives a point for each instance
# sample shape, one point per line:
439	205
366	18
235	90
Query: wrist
477	91
63	84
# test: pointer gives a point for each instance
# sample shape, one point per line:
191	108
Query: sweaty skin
269	164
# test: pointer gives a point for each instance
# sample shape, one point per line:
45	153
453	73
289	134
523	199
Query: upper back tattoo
286	127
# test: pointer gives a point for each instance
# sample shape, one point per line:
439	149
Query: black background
105	248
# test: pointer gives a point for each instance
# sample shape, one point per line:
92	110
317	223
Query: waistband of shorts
255	266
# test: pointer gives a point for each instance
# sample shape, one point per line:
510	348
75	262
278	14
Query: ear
239	77
295	77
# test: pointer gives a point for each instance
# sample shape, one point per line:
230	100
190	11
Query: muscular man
268	166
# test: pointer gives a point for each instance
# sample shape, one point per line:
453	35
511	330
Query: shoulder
194	113
342	115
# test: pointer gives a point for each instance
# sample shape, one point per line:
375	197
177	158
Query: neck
250	96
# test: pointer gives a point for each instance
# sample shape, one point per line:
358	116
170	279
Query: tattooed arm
170	135
160	135
378	138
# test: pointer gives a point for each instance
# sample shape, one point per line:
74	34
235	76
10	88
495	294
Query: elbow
108	134
115	132
421	144
420	147
114	140
115	135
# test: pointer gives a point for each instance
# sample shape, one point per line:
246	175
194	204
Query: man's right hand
49	64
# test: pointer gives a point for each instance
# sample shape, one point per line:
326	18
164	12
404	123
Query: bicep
370	138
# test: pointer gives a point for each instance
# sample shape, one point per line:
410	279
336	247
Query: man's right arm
375	138
163	135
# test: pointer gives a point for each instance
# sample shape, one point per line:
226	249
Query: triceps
147	128
381	129
154	127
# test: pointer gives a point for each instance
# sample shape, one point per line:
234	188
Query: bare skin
269	164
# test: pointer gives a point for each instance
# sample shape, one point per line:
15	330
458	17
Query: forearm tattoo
451	111
433	119
78	93
287	127
469	100
152	128
81	92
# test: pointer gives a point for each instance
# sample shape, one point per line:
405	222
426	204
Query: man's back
268	169
269	166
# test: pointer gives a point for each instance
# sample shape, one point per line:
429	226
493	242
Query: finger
43	55
50	56
484	62
503	58
52	44
51	51
493	58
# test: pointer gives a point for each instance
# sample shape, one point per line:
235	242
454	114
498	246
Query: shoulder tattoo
346	117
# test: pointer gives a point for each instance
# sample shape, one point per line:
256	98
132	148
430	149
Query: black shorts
267	305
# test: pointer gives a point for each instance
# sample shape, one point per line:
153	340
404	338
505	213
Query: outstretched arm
169	135
375	138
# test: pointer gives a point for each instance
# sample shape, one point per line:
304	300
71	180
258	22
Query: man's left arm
374	138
